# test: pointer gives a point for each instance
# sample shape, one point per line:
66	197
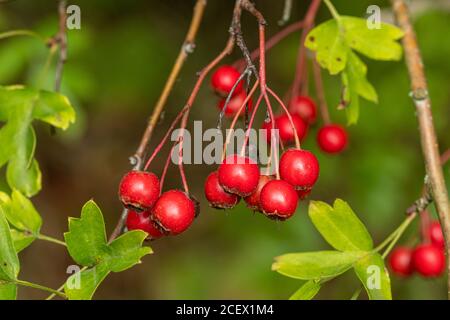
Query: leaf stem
39	287
332	9
22	32
394	236
51	239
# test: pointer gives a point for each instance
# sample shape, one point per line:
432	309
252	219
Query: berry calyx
142	221
305	107
332	138
239	175
216	195
303	194
224	78
400	261
436	235
278	200
428	260
174	211
253	199
300	168
235	104
139	190
283	124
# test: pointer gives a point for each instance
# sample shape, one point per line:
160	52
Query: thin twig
61	39
430	149
320	92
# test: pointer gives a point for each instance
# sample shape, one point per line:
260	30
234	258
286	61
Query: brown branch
320	92
187	48
435	182
61	39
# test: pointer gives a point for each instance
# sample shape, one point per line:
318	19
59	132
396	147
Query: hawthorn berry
332	138
139	190
216	195
142	221
239	175
303	194
305	107
400	261
428	260
278	200
283	124
436	235
235	104
224	78
253	199
174	211
300	168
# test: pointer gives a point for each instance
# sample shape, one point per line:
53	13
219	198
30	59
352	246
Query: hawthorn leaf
340	226
9	262
87	245
376	43
374	276
307	291
19	106
329	44
25	222
315	265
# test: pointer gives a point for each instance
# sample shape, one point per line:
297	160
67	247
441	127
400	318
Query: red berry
400	261
224	78
305	107
436	235
142	221
239	175
235	104
174	211
253	199
300	168
332	138
284	127
278	200
428	260
139	190
303	194
216	195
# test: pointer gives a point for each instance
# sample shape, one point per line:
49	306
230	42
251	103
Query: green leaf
315	265
355	85
24	220
340	226
307	291
86	243
374	277
329	44
377	43
19	106
9	262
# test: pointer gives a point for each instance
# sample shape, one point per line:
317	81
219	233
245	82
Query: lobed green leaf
374	276
307	291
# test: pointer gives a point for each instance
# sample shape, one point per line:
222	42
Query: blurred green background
118	63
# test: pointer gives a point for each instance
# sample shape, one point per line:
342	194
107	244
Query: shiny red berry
142	221
305	107
300	168
216	195
400	261
278	200
174	211
436	235
239	175
428	260
332	138
283	124
235	104
224	78
253	199
139	190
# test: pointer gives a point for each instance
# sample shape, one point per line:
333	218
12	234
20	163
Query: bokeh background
118	63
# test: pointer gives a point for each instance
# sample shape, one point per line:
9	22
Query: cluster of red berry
239	176
427	259
169	213
331	138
